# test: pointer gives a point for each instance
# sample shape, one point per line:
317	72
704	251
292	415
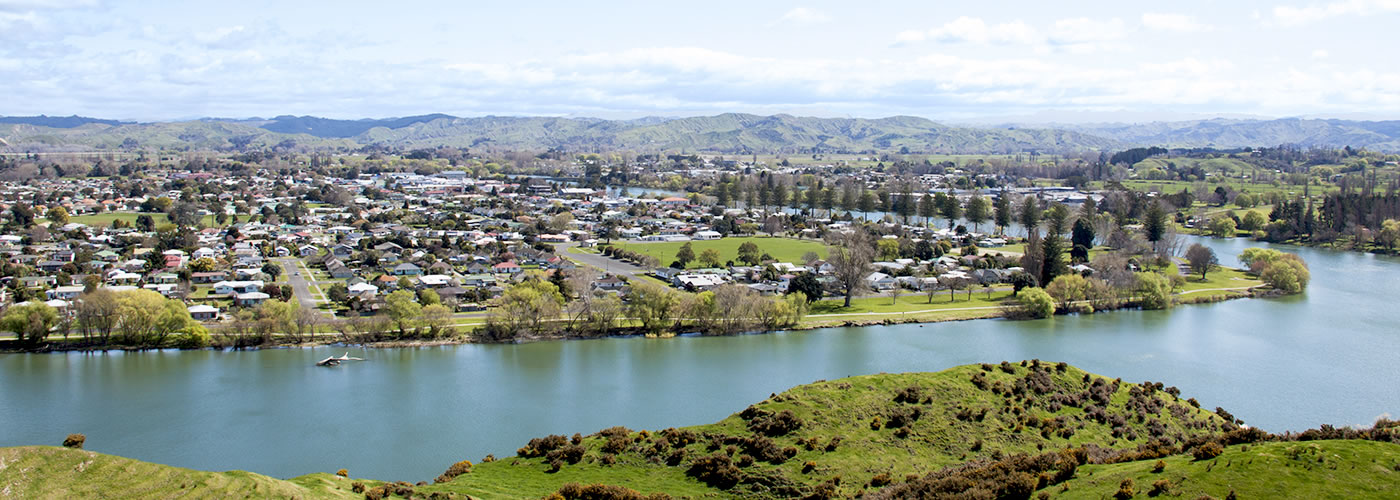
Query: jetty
334	361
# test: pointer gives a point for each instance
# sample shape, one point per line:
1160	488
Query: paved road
296	276
603	263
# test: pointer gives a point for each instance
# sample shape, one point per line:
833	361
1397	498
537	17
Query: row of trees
542	307
137	318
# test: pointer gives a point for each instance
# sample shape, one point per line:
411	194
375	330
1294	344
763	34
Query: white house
251	298
707	235
203	312
227	287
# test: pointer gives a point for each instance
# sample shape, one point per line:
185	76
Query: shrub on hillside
573	491
775	424
455	470
74	441
539	447
1208	451
715	470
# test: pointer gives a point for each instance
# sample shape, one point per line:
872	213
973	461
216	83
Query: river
1328	356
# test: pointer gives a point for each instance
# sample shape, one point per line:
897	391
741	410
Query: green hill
46	472
1020	430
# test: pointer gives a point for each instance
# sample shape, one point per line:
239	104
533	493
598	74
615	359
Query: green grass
782	249
47	472
1313	469
845	408
910	301
106	218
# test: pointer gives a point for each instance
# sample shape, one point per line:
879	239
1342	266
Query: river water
1328	356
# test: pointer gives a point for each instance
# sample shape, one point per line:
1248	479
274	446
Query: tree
1154	223
1002	212
977	208
97	314
144	222
1154	291
1035	303
951	209
338	293
430	297
928	208
1082	240
748	253
1052	248
272	269
806	284
30	321
1029	214
402	309
866	204
710	257
1202	259
530	306
203	265
652	305
1222	226
1389	235
58	215
850	257
22	214
685	255
185	214
436	317
1253	221
145	317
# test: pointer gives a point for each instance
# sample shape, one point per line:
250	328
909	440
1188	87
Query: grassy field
782	249
106	218
1315	469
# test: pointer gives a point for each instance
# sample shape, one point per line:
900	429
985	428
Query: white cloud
975	30
1320	54
24	5
803	15
1287	15
1172	22
1085	30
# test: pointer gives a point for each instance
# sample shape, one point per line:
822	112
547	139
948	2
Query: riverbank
808	322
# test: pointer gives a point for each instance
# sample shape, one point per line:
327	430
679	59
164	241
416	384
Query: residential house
406	269
201	312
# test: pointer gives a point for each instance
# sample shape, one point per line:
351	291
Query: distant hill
55	121
729	133
979	431
1225	133
326	127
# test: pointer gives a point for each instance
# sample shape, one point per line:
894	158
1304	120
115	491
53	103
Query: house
250	299
67	292
342	251
434	280
307	250
201	312
51	266
697	282
609	283
338	270
879	281
208	277
227	287
507	267
362	288
205	253
707	235
406	269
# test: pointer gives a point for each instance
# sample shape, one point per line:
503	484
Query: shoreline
917	317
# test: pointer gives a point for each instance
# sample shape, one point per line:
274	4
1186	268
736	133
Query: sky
951	61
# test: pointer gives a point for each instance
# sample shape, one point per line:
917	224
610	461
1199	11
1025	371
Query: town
193	250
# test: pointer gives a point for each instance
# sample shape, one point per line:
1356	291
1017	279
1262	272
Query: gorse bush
455	470
573	491
74	441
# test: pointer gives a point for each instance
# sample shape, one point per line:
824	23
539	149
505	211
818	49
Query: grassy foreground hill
1008	430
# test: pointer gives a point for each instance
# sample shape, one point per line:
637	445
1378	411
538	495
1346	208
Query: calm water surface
406	414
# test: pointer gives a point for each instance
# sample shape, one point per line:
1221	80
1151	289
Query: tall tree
1053	247
1003	212
977	208
951	209
927	208
851	256
1030	215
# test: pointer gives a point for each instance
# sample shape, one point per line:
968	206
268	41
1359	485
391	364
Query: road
296	274
603	263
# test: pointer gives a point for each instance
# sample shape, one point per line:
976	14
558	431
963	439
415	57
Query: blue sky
1086	60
